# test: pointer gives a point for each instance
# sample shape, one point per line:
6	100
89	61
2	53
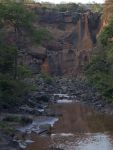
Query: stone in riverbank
53	148
77	90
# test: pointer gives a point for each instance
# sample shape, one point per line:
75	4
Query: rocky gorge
73	41
63	111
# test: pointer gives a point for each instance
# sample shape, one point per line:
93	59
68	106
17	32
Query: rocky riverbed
38	115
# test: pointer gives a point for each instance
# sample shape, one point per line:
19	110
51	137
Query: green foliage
74	7
23	72
63	7
106	34
21	20
96	7
17	19
70	7
12	92
16	14
7	58
39	35
47	78
100	70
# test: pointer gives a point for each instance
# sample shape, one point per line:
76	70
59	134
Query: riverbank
39	104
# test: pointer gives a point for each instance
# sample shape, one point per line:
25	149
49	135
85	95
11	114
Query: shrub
12	92
47	78
100	70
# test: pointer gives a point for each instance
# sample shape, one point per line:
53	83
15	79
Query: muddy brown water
79	128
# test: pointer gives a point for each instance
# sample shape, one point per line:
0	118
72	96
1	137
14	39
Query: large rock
45	128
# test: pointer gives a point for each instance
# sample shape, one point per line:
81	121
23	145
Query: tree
100	70
16	30
20	19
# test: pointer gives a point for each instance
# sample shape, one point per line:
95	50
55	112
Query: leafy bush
23	72
106	34
12	92
95	7
7	58
47	78
100	70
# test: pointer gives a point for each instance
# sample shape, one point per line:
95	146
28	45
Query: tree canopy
16	30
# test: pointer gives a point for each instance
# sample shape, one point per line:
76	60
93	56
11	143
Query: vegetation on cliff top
74	7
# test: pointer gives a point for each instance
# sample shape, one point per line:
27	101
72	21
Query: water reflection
79	128
80	118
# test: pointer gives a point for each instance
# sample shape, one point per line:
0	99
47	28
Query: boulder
45	128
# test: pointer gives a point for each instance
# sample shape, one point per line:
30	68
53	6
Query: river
79	128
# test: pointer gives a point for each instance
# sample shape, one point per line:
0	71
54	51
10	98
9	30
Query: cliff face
108	12
74	36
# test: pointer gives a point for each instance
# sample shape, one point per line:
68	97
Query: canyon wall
73	39
108	12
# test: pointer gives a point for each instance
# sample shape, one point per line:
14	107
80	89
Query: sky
75	1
